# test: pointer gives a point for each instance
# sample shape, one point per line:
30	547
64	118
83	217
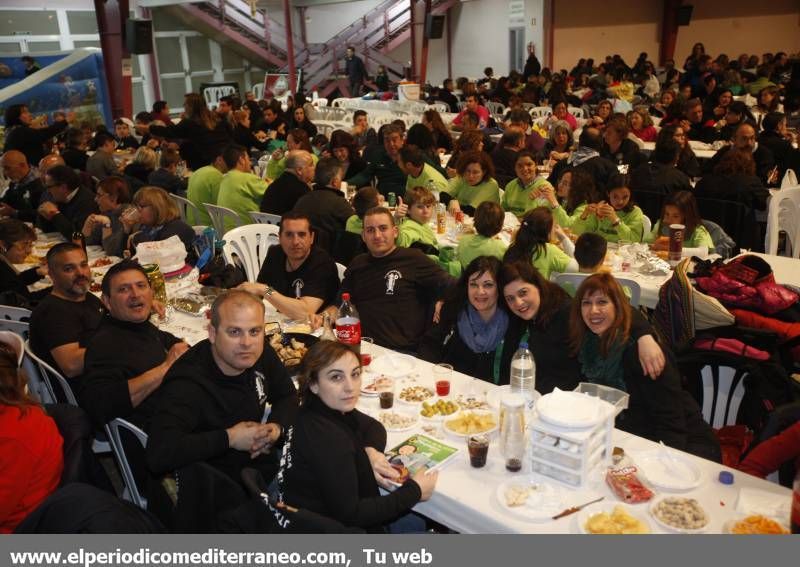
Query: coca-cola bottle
348	324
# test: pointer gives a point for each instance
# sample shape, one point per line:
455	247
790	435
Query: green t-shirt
700	238
630	227
410	231
573	221
474	195
203	188
516	198
354	225
241	191
428	173
550	259
472	246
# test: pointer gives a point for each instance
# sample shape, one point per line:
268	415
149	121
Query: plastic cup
676	233
386	393
478	448
442	373
367	350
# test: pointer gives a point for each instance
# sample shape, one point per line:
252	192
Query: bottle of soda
523	373
796	505
348	324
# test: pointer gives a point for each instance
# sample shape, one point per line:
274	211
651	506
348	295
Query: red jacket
772	453
31	461
785	331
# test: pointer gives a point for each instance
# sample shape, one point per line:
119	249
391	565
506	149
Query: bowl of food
439	409
291	347
755	524
471	422
682	515
612	518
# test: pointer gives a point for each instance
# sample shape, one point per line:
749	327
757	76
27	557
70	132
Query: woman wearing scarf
473	322
158	218
660	410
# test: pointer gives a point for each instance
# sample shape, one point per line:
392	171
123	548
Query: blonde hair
146	157
163	206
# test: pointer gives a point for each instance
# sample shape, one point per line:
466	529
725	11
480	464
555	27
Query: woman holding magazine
333	459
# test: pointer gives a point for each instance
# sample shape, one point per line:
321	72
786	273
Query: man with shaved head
25	191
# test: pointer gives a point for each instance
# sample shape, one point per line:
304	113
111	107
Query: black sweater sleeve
281	394
174	441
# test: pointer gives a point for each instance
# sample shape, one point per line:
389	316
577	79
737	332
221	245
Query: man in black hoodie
214	405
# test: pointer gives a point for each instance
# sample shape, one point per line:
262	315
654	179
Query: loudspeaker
139	36
434	26
685	15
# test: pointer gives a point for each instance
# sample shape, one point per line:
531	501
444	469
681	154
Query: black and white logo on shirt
391	280
261	392
298	287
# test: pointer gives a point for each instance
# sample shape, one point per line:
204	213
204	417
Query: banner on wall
212	92
277	84
75	82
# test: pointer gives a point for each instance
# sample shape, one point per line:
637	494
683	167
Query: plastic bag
169	254
624	479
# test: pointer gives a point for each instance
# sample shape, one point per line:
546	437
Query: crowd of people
203	407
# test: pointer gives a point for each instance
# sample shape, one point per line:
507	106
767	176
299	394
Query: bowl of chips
471	422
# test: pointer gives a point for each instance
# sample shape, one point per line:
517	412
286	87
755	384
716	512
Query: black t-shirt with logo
316	277
394	295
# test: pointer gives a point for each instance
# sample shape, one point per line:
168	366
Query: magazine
418	452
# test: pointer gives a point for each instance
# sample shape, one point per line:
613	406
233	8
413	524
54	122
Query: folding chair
219	216
265	218
184	206
121	434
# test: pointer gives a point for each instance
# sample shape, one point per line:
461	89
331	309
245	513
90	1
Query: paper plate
368	385
463	413
679	474
571	409
542	501
410	419
584	515
402	391
394	365
675	528
728	527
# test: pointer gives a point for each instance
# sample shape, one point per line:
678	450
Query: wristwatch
269	291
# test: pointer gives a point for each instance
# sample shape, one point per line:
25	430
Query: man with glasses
25	190
70	203
101	164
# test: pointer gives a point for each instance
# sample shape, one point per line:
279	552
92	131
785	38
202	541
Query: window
82	22
36	22
169	55
199	53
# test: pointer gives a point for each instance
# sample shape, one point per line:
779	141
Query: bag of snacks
623	478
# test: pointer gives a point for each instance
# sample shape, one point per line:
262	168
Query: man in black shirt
214	405
393	288
71	203
62	322
297	278
128	356
744	140
326	205
446	95
283	193
24	192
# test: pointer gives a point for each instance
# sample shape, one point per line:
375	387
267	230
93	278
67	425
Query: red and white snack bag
625	479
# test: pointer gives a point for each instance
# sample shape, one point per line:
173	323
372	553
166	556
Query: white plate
399	390
461	413
367	390
571	409
608	507
679	474
728	526
544	500
393	365
413	419
670	527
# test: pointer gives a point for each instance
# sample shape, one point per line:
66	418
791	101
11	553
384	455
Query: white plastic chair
571	282
496	108
250	244
576	112
647	226
220	214
541	111
18	327
36	384
50	376
783	213
265	218
9	313
341	268
131	492
184	206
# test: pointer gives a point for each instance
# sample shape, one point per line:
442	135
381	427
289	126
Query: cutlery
574	509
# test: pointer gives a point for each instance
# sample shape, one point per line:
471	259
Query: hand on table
453	207
383	471
159	309
427	483
48	210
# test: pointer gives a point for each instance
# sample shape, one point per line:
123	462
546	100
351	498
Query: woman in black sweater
660	410
541	312
333	453
30	141
16	240
470	331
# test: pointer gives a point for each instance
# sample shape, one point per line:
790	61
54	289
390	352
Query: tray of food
291	347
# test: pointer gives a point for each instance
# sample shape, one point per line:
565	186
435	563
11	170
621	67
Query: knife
574	509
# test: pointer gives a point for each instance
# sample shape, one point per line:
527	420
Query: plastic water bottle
348	324
523	373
